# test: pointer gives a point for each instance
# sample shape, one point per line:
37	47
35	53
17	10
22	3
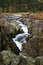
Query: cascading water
21	38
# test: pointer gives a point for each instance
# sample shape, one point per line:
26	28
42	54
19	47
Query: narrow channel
21	38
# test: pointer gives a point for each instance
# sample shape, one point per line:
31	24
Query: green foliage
32	5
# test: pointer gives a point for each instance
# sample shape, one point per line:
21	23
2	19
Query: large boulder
6	42
9	58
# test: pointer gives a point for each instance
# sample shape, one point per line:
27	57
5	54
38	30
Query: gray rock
9	58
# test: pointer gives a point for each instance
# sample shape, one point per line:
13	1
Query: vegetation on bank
20	5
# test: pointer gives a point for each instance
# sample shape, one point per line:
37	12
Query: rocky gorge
32	49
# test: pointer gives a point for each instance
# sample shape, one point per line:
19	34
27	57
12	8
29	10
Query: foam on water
21	38
24	27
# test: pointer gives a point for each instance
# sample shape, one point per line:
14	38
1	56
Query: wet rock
27	21
9	58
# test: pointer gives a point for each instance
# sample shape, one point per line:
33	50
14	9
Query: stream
21	38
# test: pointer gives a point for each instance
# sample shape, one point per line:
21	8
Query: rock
11	27
22	61
9	58
37	30
30	61
27	60
6	42
34	45
39	60
33	48
1	60
35	26
1	64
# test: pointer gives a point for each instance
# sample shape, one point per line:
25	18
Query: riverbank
37	15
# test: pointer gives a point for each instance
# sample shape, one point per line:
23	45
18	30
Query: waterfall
21	38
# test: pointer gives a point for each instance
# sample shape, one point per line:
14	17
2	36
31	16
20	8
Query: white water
24	27
21	38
